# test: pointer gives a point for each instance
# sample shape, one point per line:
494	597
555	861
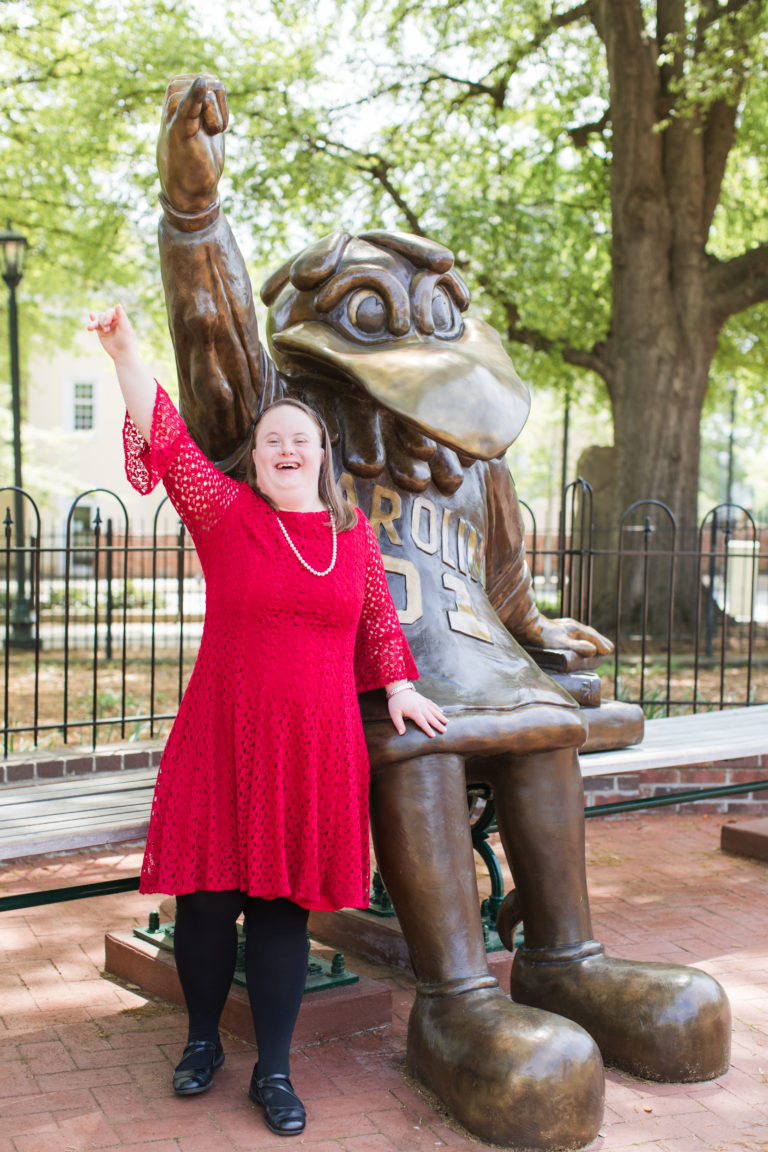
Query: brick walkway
86	1063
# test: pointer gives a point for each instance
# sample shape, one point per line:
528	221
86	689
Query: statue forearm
513	598
510	585
223	369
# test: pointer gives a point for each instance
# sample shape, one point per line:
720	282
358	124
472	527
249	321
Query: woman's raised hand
139	389
424	712
114	330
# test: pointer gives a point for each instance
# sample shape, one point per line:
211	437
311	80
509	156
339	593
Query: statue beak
464	393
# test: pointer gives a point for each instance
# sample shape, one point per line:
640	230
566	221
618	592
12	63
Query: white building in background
72	442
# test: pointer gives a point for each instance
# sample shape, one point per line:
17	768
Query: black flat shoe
194	1072
283	1111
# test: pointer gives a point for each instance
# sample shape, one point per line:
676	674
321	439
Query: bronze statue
422	403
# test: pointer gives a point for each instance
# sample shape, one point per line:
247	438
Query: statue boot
654	1020
510	1074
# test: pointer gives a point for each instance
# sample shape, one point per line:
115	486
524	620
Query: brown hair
331	495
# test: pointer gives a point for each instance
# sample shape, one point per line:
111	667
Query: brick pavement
86	1062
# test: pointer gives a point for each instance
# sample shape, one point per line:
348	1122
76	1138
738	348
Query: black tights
205	945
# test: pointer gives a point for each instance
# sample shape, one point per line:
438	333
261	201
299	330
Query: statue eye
367	312
442	311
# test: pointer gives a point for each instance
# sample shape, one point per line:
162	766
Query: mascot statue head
377	322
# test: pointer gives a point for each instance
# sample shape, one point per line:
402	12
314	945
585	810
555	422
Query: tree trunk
655	458
664	330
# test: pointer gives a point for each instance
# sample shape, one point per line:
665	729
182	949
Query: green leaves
84	86
487	125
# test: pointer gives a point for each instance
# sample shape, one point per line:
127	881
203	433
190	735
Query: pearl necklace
298	554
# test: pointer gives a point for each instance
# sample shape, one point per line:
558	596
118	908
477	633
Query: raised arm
136	381
225	376
157	444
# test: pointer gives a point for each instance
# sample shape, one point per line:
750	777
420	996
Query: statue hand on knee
565	633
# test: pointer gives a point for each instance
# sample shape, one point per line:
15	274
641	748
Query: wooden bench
110	808
80	812
684	741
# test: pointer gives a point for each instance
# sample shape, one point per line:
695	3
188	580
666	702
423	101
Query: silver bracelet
406	687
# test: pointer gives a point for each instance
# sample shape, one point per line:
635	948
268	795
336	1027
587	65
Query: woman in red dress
261	803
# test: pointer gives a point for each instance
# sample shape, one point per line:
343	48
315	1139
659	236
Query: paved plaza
86	1062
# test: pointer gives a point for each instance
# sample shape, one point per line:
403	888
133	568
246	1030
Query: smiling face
287	456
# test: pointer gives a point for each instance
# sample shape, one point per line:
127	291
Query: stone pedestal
747	838
380	938
324	1015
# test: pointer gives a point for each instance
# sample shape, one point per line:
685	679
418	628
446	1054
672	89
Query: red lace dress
263	784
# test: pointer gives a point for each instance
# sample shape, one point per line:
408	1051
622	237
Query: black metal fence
102	624
687	609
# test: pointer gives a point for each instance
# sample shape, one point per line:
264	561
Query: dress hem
312	905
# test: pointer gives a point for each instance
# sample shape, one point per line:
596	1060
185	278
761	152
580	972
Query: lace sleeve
198	490
381	650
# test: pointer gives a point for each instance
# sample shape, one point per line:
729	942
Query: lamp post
14	250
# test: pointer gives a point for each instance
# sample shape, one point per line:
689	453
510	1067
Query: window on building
83	414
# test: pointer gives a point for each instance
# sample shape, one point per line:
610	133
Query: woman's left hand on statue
411	705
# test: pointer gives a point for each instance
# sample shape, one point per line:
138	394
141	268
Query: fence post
8	522
95	689
109	588
710	617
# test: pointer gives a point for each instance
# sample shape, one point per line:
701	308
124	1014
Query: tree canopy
597	168
81	84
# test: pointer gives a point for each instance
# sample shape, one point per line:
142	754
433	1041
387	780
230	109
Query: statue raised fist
190	148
